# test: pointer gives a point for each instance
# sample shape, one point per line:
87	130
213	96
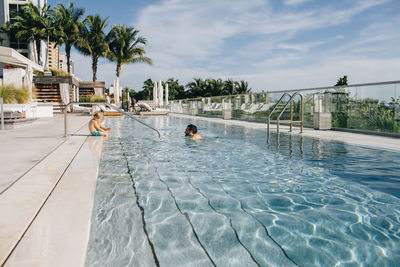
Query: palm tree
68	23
242	87
147	89
48	31
196	88
125	48
32	24
25	25
93	42
229	87
215	87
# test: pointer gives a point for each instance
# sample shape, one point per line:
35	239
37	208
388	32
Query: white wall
13	76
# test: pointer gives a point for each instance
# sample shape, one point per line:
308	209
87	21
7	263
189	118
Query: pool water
233	200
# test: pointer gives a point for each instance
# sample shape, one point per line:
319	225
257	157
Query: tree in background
25	25
242	87
93	40
125	93
175	90
342	81
126	48
229	87
213	87
197	88
68	23
147	91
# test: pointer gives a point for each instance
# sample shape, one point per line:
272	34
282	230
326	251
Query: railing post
2	113
65	121
277	130
301	113
291	115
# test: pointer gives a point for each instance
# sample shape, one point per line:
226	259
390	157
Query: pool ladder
290	121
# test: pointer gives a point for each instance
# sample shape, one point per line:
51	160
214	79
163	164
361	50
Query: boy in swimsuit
191	130
95	126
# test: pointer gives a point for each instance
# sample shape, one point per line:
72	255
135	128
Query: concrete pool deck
44	178
47	185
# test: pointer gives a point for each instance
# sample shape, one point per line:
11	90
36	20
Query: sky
271	44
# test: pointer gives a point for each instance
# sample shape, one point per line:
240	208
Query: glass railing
372	107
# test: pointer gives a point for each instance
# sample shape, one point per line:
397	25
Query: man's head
190	130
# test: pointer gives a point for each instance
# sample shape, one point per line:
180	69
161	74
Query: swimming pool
233	200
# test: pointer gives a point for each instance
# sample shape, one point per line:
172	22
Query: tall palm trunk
119	66
35	52
94	67
68	52
46	61
38	52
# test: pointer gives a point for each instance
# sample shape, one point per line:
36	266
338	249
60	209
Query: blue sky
271	44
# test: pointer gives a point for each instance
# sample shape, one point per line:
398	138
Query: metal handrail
2	113
273	110
289	102
110	106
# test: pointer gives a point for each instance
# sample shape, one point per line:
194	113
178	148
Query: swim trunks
95	133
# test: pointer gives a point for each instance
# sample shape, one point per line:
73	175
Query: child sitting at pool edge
95	126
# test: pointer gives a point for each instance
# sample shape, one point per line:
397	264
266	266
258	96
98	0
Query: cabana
11	56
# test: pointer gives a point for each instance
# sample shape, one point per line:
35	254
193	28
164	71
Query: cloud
295	2
325	73
273	48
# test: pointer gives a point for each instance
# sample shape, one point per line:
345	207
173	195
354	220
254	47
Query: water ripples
231	200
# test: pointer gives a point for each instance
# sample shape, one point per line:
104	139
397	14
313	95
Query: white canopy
10	56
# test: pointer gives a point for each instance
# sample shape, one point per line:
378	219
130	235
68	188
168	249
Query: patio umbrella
155	95
166	94
160	93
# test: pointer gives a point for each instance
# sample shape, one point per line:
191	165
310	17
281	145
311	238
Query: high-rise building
63	63
22	46
53	56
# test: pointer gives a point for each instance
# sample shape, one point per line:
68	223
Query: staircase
50	93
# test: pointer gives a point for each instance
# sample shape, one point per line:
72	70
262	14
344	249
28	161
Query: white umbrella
160	94
116	92
155	95
166	94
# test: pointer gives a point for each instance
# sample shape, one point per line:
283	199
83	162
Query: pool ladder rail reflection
290	121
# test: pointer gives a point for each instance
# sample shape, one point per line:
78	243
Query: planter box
44	110
33	110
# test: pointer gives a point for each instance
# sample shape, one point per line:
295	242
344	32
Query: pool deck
47	190
47	185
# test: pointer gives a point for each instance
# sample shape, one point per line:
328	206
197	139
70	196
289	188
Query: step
20	204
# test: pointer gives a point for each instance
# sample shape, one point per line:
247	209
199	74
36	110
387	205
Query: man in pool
191	130
95	126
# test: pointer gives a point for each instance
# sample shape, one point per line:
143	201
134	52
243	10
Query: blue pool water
233	200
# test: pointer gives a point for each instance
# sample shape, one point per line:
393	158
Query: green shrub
38	73
57	72
92	98
12	95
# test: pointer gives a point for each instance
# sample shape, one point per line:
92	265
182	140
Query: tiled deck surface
47	192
